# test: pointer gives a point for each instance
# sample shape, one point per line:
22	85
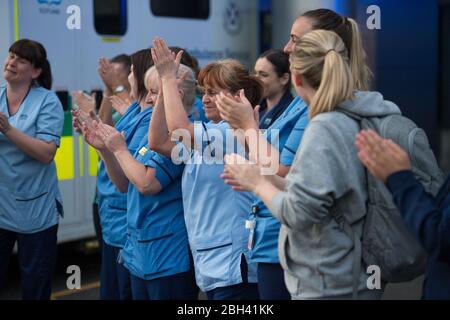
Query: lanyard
251	224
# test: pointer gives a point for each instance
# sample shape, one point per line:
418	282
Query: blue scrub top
112	203
291	125
267	118
157	242
30	199
215	214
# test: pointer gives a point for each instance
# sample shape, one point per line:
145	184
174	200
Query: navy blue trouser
36	253
115	282
179	286
241	291
271	285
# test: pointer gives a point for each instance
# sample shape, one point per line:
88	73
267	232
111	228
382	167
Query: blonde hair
348	30
187	86
322	59
360	71
232	75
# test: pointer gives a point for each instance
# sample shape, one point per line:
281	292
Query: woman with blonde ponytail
326	175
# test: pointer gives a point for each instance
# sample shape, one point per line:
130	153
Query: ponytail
45	78
322	59
335	86
361	72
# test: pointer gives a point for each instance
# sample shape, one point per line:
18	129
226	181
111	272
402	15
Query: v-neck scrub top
30	199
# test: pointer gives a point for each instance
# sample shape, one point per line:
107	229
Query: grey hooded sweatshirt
316	255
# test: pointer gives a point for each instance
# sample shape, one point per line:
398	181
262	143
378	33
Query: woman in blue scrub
156	251
114	277
272	68
214	214
285	135
31	123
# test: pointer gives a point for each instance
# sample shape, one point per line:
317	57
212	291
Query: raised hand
237	111
113	139
4	123
91	136
241	174
108	74
382	157
83	101
166	62
120	105
87	124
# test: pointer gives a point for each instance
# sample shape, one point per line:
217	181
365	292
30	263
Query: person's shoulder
46	97
41	92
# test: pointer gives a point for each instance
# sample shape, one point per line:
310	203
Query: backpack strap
349	114
346	227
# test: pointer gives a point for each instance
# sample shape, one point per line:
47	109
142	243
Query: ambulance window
110	17
193	9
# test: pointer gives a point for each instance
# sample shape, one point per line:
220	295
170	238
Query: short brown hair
232	75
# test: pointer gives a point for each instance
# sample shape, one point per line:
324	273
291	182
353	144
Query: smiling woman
31	123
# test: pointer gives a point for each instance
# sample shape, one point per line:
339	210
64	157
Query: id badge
250	224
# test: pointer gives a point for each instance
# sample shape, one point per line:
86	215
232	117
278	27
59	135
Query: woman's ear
35	73
181	92
297	80
285	79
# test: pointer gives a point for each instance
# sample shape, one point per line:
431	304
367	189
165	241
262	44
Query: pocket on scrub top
30	205
117	203
8	205
152	246
214	261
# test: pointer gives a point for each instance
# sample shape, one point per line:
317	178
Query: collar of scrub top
20	105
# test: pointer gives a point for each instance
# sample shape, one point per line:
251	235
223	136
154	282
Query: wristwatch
118	90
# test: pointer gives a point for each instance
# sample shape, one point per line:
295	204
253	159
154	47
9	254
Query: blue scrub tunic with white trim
215	214
157	242
30	199
112	203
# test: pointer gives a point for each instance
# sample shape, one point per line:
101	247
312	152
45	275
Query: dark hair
187	60
35	53
348	30
232	75
124	60
141	61
329	20
280	61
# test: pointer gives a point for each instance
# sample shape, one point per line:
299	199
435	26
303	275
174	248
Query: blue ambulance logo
232	18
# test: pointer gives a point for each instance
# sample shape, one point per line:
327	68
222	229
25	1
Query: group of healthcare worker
214	214
167	227
284	136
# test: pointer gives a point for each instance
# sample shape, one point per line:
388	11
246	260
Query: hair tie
329	51
346	21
